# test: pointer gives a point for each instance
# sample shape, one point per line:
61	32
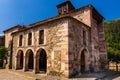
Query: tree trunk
116	66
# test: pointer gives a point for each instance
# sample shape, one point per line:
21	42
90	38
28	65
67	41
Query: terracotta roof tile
17	26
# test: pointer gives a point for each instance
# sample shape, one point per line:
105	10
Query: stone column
35	64
25	63
9	58
15	62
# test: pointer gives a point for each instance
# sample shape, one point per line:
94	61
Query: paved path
7	75
20	75
104	75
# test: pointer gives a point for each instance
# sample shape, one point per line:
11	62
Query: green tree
112	35
3	55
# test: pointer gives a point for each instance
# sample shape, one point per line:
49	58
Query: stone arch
84	48
29	60
20	59
84	60
25	51
41	60
41	48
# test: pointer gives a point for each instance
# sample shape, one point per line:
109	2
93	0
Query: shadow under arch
41	61
20	59
29	60
84	61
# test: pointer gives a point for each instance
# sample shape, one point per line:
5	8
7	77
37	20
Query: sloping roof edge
90	6
46	21
57	17
42	22
17	26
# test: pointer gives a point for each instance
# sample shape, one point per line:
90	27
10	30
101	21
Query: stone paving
7	75
20	75
104	75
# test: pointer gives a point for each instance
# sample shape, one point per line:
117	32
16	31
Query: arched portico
41	61
29	60
20	59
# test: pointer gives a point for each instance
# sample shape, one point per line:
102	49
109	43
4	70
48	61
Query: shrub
3	55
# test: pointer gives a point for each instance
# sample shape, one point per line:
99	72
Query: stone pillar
35	64
15	65
25	63
9	58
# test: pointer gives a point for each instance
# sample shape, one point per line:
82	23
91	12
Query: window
60	11
84	37
20	40
65	9
41	36
29	38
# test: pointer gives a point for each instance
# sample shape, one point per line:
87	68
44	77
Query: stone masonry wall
83	15
99	54
97	36
76	46
8	36
95	45
102	46
55	45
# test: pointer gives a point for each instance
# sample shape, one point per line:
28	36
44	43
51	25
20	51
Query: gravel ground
104	75
20	75
6	75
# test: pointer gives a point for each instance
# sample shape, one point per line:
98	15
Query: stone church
71	42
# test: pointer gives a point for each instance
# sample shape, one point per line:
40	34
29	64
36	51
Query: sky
25	12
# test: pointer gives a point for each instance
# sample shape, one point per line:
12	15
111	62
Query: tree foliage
3	53
112	35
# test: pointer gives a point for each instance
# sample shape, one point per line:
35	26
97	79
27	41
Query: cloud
1	34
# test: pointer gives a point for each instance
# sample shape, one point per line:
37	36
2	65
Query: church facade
70	43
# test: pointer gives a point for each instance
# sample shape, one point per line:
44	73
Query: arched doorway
20	59
41	60
84	61
29	60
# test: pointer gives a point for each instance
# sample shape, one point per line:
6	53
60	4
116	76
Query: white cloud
1	34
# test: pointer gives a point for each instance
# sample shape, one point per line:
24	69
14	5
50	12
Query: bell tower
65	7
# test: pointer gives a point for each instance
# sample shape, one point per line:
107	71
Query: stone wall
83	15
76	46
99	53
8	36
55	45
98	43
95	45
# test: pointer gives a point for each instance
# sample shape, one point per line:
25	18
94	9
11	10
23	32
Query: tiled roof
43	22
17	26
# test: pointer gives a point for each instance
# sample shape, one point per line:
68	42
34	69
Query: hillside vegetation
112	35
